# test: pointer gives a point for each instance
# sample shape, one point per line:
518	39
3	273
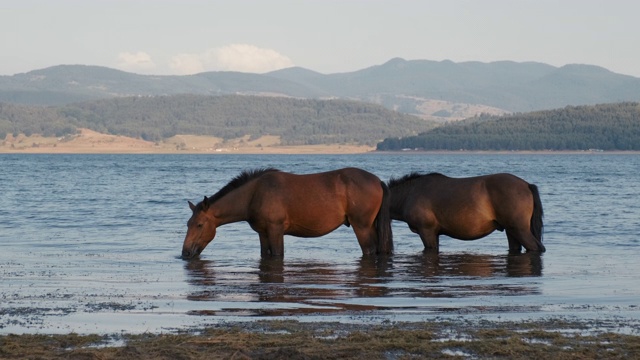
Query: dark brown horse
276	203
469	208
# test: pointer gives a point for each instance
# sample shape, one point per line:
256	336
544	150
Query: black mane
393	182
238	181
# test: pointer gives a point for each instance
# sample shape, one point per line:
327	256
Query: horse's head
201	229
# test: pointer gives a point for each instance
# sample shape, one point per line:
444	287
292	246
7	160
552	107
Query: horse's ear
205	203
191	206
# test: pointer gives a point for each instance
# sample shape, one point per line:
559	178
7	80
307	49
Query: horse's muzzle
189	254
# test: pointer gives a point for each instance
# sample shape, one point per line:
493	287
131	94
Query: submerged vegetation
294	340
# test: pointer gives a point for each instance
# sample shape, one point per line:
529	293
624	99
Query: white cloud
140	61
186	64
234	57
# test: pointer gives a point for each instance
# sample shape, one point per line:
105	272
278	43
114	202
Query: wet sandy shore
549	339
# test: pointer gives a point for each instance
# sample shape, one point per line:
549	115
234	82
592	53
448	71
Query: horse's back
435	186
300	189
332	181
440	191
509	192
355	175
505	179
350	181
327	195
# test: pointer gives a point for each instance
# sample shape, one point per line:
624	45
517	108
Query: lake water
90	243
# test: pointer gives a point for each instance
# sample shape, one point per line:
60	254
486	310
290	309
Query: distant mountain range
442	90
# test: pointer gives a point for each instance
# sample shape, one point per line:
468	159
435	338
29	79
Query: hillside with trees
605	127
153	118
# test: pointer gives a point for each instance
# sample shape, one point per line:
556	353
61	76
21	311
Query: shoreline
304	150
91	142
273	339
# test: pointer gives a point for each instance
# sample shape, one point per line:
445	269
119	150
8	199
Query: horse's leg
430	240
524	237
276	242
264	245
272	241
367	238
423	222
514	245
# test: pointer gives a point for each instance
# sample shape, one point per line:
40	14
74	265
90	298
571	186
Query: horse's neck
232	207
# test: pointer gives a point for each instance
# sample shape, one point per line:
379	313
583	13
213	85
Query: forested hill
296	121
605	127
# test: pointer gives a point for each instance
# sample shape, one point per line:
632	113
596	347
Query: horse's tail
536	218
383	223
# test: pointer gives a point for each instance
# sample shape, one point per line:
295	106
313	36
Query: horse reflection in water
202	275
325	287
303	283
430	265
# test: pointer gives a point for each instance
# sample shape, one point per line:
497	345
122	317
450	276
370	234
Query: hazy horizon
295	66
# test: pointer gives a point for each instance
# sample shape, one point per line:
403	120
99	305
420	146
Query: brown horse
276	203
469	208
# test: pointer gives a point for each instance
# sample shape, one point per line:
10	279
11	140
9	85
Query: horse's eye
200	225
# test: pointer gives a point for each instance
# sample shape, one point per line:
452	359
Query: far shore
91	142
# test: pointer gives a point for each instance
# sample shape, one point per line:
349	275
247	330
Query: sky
178	37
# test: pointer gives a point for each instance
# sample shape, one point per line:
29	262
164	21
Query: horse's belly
308	233
468	236
469	230
314	228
